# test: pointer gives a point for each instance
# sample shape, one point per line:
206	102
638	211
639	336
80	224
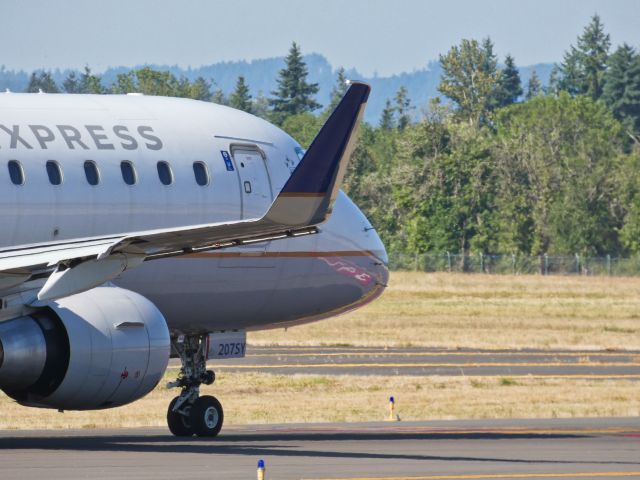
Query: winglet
308	195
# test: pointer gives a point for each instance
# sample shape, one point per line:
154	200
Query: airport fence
515	264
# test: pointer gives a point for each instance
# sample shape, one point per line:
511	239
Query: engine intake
98	349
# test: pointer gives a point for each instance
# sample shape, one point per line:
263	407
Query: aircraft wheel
207	416
179	425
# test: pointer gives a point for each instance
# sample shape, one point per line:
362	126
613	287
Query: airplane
138	228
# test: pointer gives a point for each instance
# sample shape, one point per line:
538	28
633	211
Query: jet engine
102	348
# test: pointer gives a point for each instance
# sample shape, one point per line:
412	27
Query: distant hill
261	76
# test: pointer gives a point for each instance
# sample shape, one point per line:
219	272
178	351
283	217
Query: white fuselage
185	163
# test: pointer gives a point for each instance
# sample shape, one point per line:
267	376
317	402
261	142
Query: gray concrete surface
577	448
438	450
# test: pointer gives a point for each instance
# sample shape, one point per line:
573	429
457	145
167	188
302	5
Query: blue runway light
392	410
260	463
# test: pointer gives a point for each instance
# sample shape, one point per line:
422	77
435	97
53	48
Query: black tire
178	424
207	416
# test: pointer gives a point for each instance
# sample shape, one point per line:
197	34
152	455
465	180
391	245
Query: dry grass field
440	310
251	398
484	311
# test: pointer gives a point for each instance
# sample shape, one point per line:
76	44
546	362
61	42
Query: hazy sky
383	36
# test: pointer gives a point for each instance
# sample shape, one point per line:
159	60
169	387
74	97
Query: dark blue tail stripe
317	170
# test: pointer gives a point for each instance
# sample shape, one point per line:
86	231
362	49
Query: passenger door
255	185
256	194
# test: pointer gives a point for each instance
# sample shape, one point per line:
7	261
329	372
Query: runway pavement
509	449
435	450
424	361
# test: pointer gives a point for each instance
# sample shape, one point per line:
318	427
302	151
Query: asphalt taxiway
435	450
439	450
426	361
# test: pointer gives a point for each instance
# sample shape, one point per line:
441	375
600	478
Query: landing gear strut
189	413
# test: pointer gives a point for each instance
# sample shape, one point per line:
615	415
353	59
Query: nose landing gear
189	413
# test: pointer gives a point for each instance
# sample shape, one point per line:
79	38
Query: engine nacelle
98	349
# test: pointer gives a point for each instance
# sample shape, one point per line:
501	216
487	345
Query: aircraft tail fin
309	193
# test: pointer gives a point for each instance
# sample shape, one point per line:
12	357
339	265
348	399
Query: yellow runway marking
514	431
495	431
433	365
435	430
586	376
443	354
500	475
551	432
445	351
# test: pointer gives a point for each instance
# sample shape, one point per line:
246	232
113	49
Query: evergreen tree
594	44
200	89
34	85
338	91
622	86
632	94
584	65
240	98
42	81
294	94
154	82
569	75
184	88
90	83
125	83
387	120
616	78
534	87
403	107
219	97
260	107
71	84
553	87
509	87
490	62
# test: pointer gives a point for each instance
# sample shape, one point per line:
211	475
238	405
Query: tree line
495	166
492	166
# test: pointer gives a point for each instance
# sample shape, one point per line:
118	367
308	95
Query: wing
304	202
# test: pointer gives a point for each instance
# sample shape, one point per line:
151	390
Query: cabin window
91	172
164	173
16	174
247	187
128	172
201	173
54	172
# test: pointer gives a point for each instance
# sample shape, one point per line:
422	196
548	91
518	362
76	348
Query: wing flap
48	255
